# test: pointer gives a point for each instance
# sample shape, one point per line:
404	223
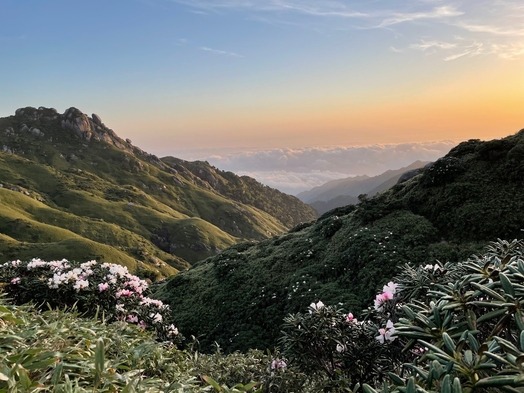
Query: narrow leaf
506	284
448	342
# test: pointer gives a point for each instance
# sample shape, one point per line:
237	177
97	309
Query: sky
227	80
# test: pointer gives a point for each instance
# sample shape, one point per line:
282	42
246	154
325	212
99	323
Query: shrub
464	322
107	290
340	351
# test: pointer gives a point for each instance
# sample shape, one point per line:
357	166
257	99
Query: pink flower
15	280
103	286
382	298
351	318
132	318
123	292
141	325
387	296
387	333
278	365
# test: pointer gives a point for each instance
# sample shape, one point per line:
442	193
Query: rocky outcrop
97	120
78	122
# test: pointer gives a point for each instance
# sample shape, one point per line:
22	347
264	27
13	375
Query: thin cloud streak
497	26
220	52
436	13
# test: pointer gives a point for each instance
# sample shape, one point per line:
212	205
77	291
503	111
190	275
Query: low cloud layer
296	170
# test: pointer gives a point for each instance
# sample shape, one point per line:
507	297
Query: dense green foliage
58	351
465	322
454	327
84	193
450	211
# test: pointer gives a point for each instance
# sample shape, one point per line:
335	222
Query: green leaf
497	380
446	385
457	386
409	313
471	319
434	348
57	373
448	342
396	379
212	382
436	317
488	291
251	385
520	265
411	388
368	389
508	346
491	315
506	284
520	323
497	358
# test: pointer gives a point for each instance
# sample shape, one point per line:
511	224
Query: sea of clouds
293	170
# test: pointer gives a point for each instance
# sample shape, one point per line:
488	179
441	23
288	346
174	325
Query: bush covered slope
71	188
465	199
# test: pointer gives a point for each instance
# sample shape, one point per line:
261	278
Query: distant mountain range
342	192
71	188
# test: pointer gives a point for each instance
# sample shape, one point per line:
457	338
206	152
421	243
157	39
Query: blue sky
261	74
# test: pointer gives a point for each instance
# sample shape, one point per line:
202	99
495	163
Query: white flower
157	318
35	262
387	333
391	287
81	284
315	306
172	331
341	348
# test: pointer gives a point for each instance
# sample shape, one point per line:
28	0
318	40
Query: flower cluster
386	334
92	287
278	364
351	318
387	294
315	306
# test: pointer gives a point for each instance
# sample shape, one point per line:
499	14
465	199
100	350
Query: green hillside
71	188
451	210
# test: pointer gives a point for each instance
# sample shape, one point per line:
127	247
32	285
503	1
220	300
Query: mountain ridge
353	187
73	173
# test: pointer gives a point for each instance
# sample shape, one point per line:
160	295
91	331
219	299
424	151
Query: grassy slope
111	194
469	197
289	209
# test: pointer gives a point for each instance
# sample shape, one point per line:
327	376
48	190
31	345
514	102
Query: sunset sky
187	75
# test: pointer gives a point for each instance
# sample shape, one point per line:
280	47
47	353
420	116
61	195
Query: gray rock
80	123
24	128
97	119
36	132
